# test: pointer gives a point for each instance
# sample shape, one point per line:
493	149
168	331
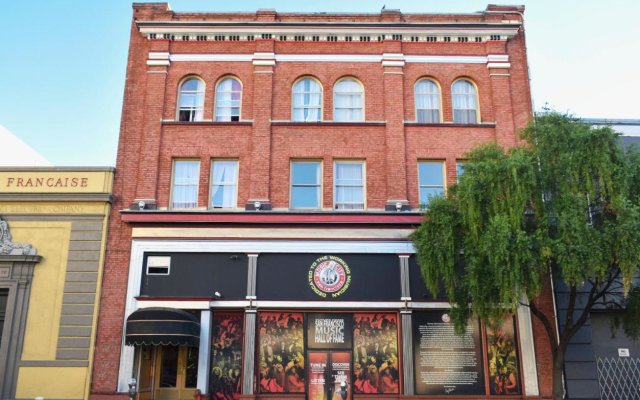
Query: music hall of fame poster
281	352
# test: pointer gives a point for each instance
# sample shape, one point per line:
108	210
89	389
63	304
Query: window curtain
191	100
349	187
307	99
464	103
228	100
427	98
185	184
347	101
223	192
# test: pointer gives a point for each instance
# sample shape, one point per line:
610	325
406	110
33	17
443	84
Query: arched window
307	100
427	96
228	99
348	100
191	100
465	102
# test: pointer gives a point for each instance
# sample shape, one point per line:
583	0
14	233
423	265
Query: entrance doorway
326	372
176	375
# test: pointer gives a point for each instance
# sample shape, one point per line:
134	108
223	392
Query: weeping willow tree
565	204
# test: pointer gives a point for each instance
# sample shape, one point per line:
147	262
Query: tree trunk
558	368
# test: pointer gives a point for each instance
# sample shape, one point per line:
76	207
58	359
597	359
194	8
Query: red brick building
270	169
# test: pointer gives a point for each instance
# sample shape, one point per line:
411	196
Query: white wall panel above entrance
264	233
139	247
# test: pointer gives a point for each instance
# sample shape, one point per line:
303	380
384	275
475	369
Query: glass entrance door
327	371
177	372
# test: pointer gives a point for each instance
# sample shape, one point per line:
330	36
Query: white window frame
223	118
173	183
476	110
423	203
196	113
306	106
350	110
319	185
362	163
215	184
438	95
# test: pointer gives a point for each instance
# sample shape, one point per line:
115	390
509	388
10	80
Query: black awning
162	326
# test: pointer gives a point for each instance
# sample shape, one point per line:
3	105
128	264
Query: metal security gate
619	378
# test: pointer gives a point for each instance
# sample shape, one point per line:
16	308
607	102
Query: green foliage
631	317
567	201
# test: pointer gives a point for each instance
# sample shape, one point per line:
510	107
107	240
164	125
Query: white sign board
623	352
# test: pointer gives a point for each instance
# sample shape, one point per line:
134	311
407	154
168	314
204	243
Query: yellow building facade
53	225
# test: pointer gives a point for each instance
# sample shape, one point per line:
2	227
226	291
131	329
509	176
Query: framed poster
281	352
375	353
225	378
446	363
502	358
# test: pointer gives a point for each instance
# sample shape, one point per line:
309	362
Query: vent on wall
158	265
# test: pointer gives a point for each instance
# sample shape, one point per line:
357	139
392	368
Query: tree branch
547	326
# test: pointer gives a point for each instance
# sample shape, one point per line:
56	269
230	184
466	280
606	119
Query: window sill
328	123
208	123
451	124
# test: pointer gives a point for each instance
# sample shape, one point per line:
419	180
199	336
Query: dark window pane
169	367
191	371
185	115
4	295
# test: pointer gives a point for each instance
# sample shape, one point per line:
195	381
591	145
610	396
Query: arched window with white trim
348	101
465	102
427	98
191	100
228	99
306	100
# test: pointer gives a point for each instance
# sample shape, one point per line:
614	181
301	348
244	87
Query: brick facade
265	140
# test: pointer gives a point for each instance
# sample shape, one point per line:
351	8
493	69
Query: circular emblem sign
329	275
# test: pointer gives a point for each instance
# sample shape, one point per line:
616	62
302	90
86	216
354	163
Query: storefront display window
375	354
226	355
281	352
502	357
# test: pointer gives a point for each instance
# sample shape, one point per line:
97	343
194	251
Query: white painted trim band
154	55
498	58
498	65
349	58
393	63
156	63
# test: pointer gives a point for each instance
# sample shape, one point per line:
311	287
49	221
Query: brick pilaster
396	171
500	79
263	63
154	102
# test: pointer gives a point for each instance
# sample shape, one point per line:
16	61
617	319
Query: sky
62	62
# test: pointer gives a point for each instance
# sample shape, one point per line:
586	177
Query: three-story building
271	167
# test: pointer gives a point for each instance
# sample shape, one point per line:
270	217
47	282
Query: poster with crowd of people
502	356
281	352
226	356
375	353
